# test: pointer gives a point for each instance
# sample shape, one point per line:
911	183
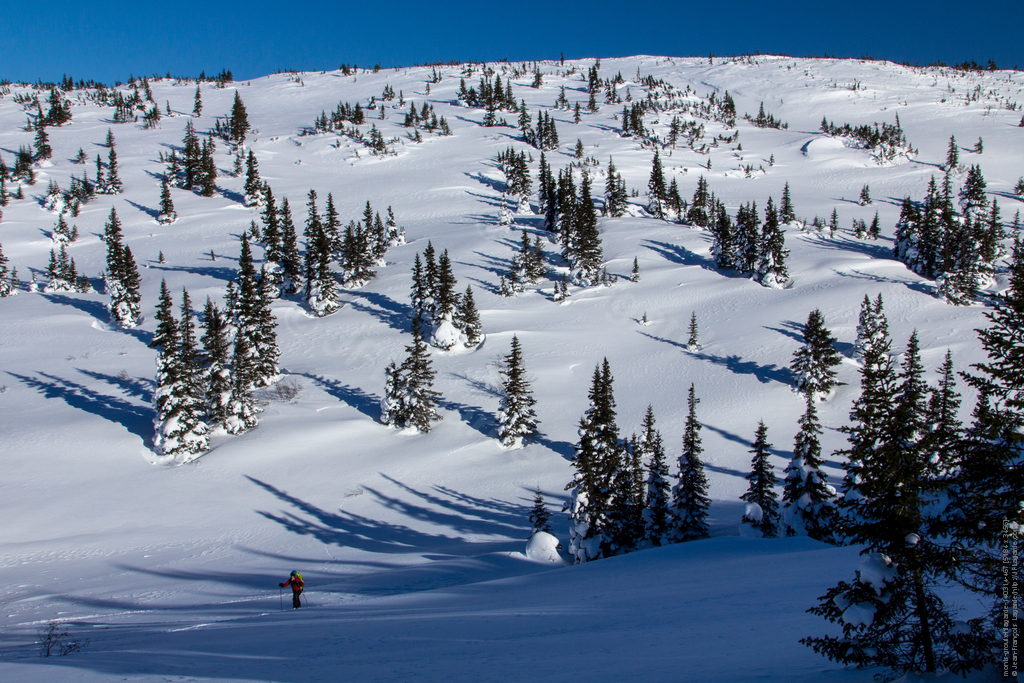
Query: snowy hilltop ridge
381	325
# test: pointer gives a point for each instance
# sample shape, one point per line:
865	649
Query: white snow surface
411	544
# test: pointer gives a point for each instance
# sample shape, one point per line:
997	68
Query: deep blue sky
255	38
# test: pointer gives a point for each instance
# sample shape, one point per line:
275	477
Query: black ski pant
296	602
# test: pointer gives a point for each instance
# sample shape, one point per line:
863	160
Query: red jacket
296	583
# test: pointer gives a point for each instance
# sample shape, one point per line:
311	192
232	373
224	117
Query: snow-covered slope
170	570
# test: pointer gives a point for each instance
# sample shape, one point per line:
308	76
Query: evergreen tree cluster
63	274
517	177
886	141
343	113
8	279
490	96
452	317
122	275
958	249
409	397
750	246
572	214
207	387
622	498
527	266
195	168
763	120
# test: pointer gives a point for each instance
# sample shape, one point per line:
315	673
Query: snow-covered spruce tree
987	519
697	213
332	225
596	460
216	363
255	320
291	264
7	287
762	512
197	103
657	192
615	195
690	501
890	614
771	258
723	247
207	169
122	276
321	285
238	121
167	213
587	254
786	212
626	527
242	411
517	420
808	501
539	515
409	397
747	238
657	516
253	185
813	362
179	427
872	326
112	183
693	341
952	155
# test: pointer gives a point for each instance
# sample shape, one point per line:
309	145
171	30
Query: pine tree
207	170
615	197
762	511
112	183
253	184
808	501
596	460
197	106
122	276
865	195
167	213
786	212
421	399
986	492
772	252
445	296
872	326
690	502
657	193
216	362
898	621
6	281
813	362
657	515
238	124
180	430
952	155
516	417
42	144
467	319
539	515
242	411
291	263
693	342
586	251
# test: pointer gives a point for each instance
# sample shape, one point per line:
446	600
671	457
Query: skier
295	581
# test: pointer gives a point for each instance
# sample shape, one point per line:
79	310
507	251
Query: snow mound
543	547
446	335
833	153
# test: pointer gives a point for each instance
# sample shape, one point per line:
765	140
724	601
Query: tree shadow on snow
223	273
791	329
136	419
735	364
366	403
455	519
678	254
152	213
140	388
395	315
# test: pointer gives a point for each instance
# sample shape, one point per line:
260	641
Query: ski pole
306	599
